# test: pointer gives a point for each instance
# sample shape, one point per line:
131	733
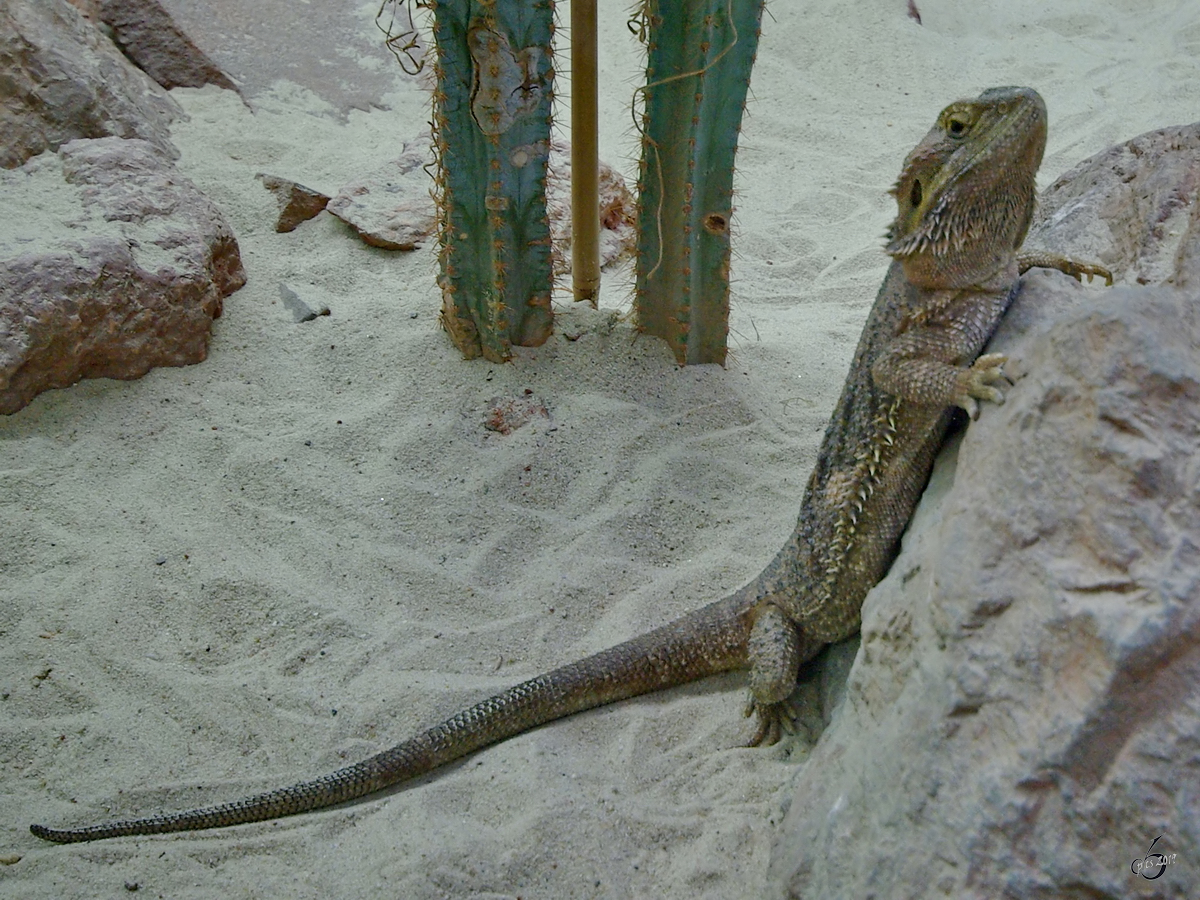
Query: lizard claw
977	383
1078	269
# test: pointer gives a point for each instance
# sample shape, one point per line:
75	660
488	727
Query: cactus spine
491	117
700	53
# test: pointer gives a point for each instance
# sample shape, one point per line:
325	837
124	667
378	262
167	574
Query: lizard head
966	192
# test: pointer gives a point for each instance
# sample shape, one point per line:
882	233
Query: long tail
706	642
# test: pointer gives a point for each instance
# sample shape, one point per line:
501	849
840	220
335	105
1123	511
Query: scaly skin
965	199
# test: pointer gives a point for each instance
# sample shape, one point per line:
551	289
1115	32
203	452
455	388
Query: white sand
197	603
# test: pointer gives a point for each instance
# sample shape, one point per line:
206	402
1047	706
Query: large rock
63	79
122	266
1136	206
1023	713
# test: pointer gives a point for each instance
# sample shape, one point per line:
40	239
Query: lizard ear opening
916	194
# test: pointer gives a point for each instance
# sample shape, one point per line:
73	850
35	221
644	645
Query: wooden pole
585	154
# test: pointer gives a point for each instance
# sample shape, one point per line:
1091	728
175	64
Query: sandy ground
223	578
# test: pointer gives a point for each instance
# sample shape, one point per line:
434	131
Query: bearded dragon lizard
965	198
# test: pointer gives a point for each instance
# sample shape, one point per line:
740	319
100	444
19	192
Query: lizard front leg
934	364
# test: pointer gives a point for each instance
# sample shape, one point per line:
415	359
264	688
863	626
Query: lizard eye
915	195
956	127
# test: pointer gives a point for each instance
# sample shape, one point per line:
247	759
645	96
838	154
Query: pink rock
618	211
63	79
121	266
297	203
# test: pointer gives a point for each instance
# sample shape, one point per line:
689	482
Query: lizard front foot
1077	270
1065	264
976	383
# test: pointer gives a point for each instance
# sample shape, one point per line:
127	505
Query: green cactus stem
491	117
700	53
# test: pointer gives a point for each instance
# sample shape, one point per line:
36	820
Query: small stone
505	415
297	203
300	310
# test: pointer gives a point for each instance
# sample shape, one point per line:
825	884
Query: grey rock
1022	717
89	8
1135	206
121	265
63	80
300	310
392	208
148	35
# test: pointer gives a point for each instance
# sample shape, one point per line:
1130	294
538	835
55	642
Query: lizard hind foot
774	720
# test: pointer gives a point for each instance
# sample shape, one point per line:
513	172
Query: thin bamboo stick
585	154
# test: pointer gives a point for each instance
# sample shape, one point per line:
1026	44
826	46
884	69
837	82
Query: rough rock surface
89	8
1023	713
148	35
65	80
121	265
391	209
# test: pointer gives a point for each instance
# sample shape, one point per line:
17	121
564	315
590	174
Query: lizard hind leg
775	653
